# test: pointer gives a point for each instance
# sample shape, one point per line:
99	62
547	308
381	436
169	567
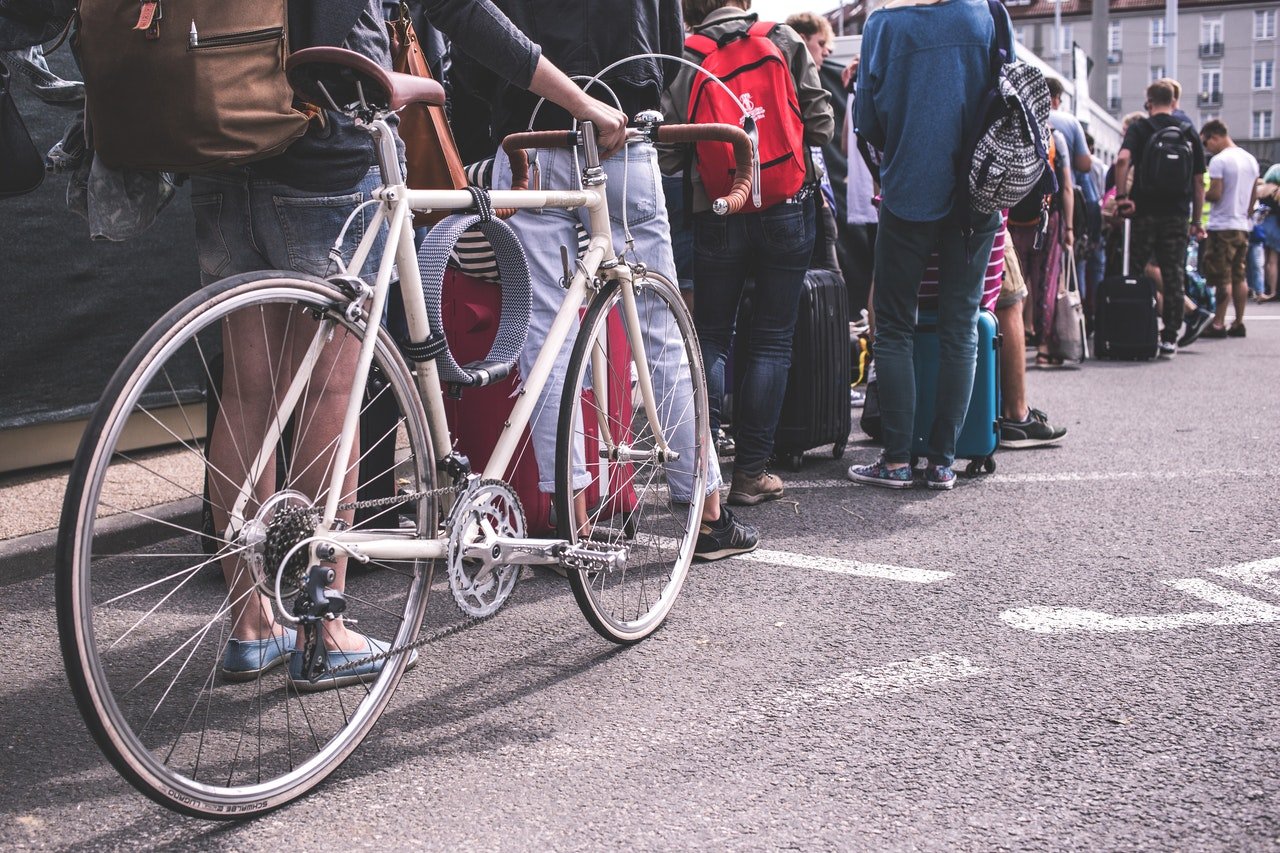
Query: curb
25	558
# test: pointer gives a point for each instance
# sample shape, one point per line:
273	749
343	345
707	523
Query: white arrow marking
882	680
845	567
1256	574
1236	609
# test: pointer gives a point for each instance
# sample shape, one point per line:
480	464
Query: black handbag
21	166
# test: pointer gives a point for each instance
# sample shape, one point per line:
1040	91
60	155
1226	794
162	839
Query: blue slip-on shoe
940	477
364	673
245	660
879	474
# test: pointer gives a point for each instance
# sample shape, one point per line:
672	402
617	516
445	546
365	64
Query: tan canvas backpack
187	85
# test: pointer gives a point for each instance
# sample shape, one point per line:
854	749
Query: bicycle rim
641	504
144	608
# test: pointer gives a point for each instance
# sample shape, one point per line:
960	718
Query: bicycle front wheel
155	575
618	490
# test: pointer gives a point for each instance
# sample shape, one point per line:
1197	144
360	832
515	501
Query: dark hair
1088	140
1055	87
1213	127
1160	94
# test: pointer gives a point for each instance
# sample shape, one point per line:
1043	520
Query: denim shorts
245	223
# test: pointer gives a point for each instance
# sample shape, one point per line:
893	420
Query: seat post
388	156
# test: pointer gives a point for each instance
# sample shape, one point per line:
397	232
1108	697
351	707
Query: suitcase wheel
976	467
837	451
793	461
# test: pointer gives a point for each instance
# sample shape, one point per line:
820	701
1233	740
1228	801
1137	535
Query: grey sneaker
1168	349
724	537
1035	431
749	490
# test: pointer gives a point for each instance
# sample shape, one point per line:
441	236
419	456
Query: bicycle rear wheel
607	456
147	565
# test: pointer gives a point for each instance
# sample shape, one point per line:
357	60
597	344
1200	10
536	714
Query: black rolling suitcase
1124	319
815	410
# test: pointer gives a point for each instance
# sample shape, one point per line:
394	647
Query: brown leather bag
430	152
187	87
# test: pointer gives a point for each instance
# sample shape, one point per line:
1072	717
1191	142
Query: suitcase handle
1127	225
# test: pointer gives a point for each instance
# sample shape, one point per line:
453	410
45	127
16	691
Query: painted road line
1071	477
844	567
1236	609
884	680
1257	574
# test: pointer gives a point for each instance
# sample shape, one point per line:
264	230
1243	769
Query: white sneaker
1168	349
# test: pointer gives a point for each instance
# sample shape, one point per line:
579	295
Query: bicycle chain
421	641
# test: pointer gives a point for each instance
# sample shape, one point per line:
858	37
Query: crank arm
503	550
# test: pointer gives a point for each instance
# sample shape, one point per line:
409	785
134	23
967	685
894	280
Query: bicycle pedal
594	557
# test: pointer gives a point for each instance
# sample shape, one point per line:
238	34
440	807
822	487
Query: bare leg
1240	299
1013	363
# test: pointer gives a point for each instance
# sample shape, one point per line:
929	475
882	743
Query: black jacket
582	37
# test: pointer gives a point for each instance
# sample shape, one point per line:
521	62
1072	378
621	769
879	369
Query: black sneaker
724	537
1035	431
1236	331
1194	325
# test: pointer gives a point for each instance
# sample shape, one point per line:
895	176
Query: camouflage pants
1163	239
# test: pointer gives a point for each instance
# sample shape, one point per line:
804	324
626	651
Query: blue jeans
902	251
681	230
542	233
773	246
245	223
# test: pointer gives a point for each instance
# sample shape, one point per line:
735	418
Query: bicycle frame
397	205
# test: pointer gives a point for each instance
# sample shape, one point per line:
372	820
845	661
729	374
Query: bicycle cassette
487	509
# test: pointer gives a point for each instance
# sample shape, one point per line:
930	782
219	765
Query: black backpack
1167	160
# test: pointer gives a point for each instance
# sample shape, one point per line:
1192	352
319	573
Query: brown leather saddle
349	82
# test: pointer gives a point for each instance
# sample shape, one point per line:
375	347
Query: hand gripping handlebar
731	203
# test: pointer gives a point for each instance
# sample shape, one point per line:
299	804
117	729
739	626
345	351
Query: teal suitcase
980	434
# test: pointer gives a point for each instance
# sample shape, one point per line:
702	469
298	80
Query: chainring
487	508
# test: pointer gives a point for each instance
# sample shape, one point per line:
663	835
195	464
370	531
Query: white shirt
859	187
1238	170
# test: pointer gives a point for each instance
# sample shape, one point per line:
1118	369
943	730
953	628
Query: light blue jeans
542	233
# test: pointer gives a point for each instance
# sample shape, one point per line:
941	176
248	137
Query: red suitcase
470	308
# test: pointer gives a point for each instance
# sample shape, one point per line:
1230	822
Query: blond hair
810	24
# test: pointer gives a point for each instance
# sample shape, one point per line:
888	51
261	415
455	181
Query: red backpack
753	67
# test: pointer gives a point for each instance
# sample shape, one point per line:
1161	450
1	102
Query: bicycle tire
634	507
184	734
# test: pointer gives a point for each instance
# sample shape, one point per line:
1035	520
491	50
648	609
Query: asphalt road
1059	656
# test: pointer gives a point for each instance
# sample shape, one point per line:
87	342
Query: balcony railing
1211	50
1113	104
1115	57
1210	99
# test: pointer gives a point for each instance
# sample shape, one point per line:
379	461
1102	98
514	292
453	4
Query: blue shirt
923	73
1069	126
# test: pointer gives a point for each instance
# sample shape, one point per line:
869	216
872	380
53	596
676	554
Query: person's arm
1068	208
815	101
1081	160
1253	199
1213	195
480	29
1197	209
866	121
1124	204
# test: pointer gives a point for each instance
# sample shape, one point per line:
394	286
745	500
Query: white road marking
1072	477
1236	609
845	567
1256	574
881	680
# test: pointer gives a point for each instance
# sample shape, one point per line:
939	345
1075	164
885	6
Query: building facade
1227	57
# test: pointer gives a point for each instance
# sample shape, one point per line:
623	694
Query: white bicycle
161	548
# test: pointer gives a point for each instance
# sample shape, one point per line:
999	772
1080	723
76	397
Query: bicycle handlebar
731	203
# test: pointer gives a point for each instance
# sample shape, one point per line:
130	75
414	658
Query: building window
1065	45
1264	73
1113	91
1210	30
1262	124
1264	24
1113	36
1020	35
1157	32
1157	71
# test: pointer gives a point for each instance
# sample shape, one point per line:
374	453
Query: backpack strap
1002	49
702	46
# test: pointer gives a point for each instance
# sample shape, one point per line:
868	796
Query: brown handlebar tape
733	201
740	190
